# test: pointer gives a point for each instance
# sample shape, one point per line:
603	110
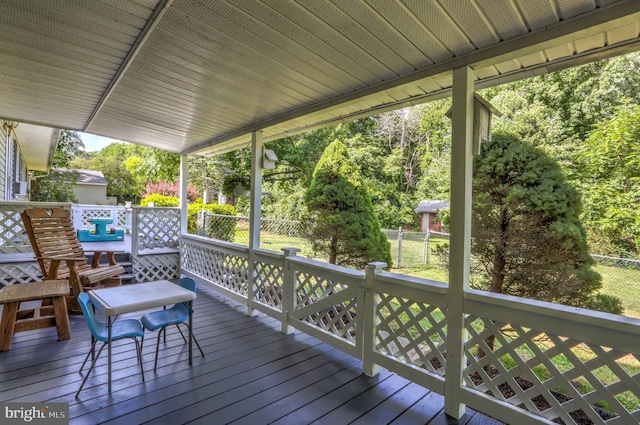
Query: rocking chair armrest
111	256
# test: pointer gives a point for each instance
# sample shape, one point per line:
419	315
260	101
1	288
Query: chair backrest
188	283
95	326
51	233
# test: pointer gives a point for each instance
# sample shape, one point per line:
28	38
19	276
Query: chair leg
139	354
155	363
91	351
93	363
194	338
181	334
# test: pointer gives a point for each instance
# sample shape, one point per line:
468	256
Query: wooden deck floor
251	374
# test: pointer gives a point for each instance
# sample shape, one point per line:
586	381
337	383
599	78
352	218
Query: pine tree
341	222
527	239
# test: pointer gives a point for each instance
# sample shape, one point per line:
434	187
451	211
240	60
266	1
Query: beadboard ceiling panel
197	77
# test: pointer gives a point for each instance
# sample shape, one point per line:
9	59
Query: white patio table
118	300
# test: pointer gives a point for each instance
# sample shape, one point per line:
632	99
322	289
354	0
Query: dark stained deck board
251	374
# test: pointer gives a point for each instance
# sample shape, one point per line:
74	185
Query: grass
624	284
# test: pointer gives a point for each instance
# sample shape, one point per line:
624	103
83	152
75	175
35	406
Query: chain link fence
409	249
621	278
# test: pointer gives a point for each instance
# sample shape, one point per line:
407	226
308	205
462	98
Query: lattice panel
339	318
148	268
89	213
412	332
226	270
269	285
158	228
122	217
13	238
11	273
552	376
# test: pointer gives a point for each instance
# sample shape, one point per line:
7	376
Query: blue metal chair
176	315
124	328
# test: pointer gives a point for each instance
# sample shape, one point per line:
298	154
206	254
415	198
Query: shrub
217	227
160	200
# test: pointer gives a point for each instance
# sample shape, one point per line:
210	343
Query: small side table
15	320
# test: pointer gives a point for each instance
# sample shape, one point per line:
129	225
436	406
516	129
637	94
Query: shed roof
198	77
431	206
89	177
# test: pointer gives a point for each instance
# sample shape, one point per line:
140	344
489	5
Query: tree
56	186
527	238
341	222
120	182
69	146
609	164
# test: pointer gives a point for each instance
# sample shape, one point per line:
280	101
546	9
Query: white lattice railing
83	214
409	327
552	361
155	242
525	362
326	303
223	264
268	285
13	237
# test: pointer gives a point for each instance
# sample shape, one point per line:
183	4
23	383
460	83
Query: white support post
255	208
184	200
460	245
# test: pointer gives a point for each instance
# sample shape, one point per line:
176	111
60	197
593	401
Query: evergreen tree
527	239
341	222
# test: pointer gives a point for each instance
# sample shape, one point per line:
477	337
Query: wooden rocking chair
60	255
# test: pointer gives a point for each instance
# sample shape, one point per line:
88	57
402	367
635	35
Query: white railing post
460	242
369	322
288	290
135	234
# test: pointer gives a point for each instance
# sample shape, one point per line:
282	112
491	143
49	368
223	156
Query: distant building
428	211
90	187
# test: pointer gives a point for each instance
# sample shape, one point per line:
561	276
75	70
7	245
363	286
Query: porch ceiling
198	76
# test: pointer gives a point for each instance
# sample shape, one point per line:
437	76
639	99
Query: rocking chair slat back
61	256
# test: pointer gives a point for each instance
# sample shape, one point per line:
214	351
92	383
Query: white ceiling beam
144	35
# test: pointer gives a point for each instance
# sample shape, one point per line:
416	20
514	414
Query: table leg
7	325
62	317
190	332
109	354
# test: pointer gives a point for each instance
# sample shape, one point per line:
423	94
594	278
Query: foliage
56	186
435	178
160	200
609	164
340	220
120	182
218	227
527	239
168	189
69	147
